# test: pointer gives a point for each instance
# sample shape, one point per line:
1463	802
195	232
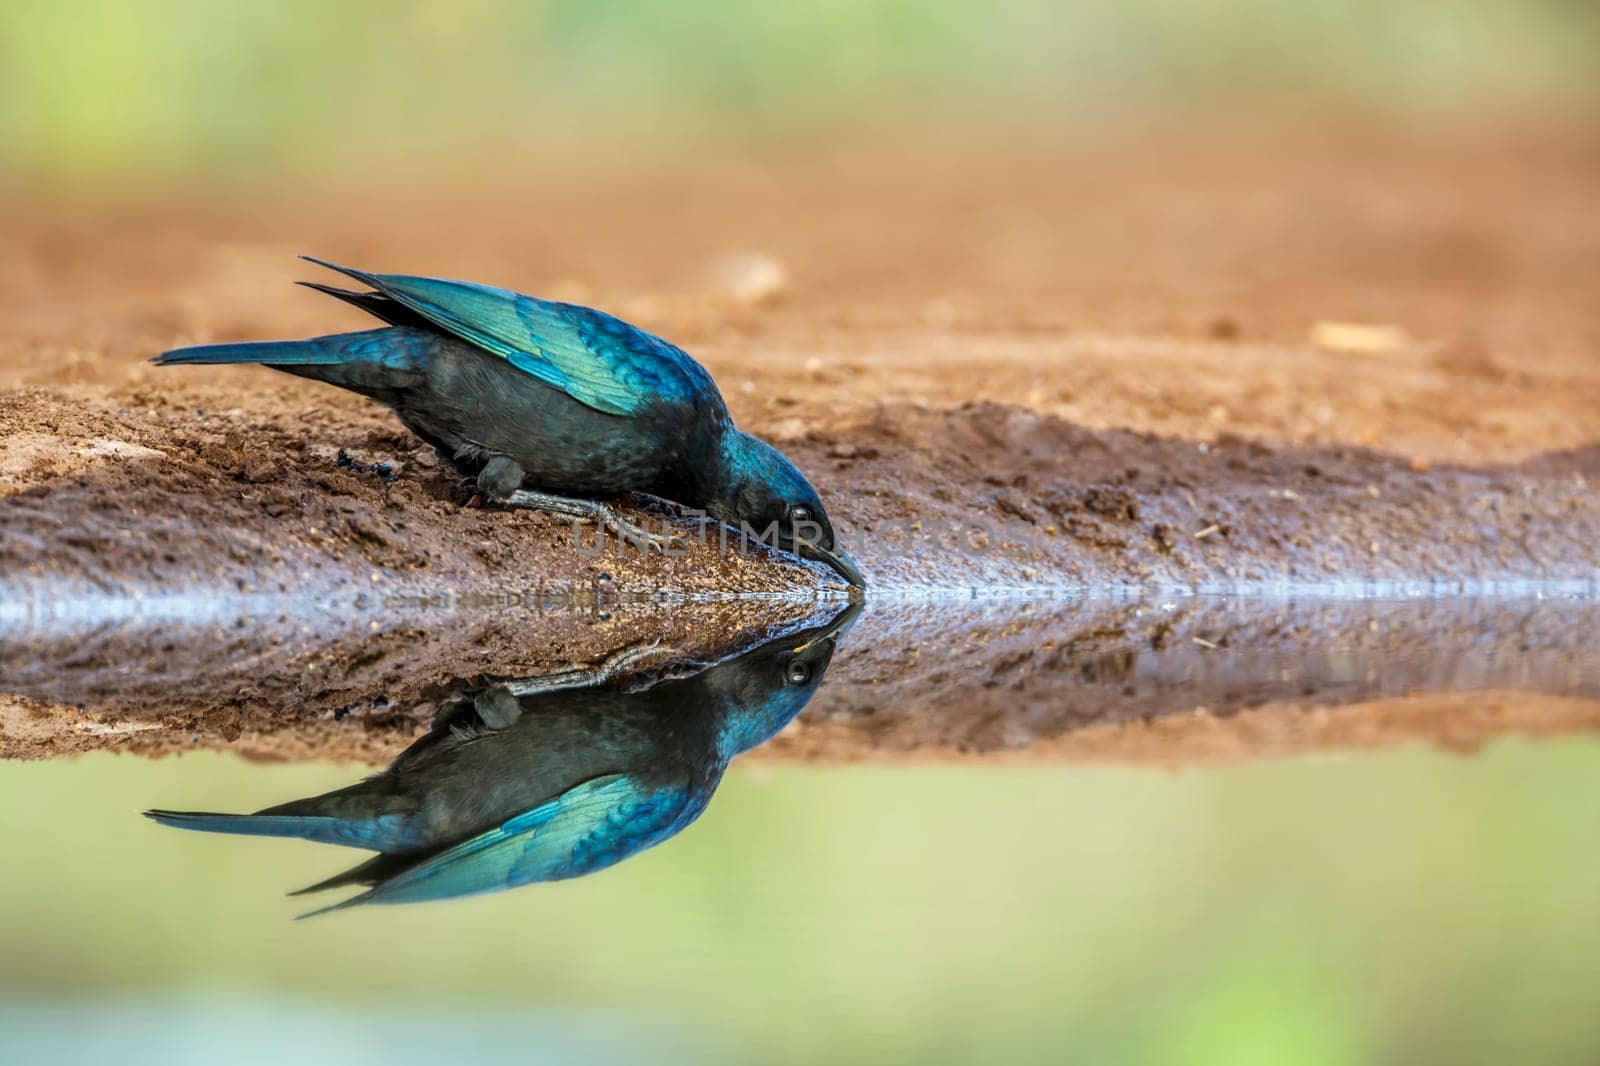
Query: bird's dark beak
839	560
836	629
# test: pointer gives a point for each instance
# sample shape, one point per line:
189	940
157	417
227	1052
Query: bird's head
766	497
763	688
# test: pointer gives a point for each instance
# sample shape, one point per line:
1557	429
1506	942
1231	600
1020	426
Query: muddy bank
98	501
103	501
997	495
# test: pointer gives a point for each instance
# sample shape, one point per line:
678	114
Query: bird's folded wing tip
344	904
349	272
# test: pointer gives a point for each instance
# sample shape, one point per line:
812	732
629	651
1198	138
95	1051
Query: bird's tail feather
256	825
374	362
372	834
271	353
371	346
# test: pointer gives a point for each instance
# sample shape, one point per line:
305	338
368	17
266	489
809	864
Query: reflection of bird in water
535	398
524	784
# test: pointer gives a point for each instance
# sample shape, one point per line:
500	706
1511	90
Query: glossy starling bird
551	404
537	780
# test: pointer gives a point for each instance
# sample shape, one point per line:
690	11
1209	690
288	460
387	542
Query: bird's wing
587	828
593	357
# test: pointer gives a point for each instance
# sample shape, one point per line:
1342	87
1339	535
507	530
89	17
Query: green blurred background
1410	906
1397	907
181	90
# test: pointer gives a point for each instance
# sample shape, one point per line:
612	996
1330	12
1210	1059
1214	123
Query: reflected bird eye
799	672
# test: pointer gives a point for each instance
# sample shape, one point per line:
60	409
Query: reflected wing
587	828
593	357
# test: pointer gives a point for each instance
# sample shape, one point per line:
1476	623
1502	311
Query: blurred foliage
1409	906
101	89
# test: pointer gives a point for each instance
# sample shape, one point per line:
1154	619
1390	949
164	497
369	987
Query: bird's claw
628	657
617	665
628	532
579	510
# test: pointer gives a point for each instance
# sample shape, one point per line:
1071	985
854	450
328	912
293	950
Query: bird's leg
593	510
501	481
497	707
581	676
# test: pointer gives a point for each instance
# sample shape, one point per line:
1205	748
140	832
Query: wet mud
989	495
981	496
125	503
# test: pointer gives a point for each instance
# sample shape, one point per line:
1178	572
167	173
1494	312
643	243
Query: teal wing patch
587	828
595	358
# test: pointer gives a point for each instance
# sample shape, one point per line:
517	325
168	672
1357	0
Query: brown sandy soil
1168	286
152	496
1139	358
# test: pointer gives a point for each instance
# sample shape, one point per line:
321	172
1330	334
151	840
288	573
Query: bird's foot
500	477
497	707
641	537
620	663
464	492
609	669
625	530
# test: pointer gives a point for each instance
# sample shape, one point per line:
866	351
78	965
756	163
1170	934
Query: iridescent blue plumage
562	784
595	825
554	401
593	357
